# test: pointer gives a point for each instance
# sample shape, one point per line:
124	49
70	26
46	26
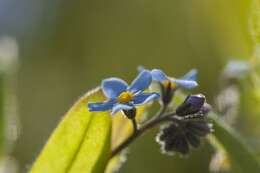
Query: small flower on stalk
180	135
170	84
123	97
187	81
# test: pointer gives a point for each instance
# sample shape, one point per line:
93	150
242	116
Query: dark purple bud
199	128
193	139
181	145
206	108
191	105
172	139
167	92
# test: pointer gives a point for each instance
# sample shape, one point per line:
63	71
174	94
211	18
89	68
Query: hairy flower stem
135	127
162	111
151	124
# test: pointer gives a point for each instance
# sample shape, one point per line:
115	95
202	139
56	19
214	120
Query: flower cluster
187	124
180	135
123	97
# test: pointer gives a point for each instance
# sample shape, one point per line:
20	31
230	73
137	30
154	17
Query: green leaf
238	152
81	142
255	21
220	161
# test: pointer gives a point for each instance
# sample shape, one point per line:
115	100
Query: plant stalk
151	124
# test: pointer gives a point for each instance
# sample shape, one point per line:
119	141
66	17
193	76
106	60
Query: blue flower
187	81
123	97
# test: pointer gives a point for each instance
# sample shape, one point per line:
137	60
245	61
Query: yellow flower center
168	83
125	97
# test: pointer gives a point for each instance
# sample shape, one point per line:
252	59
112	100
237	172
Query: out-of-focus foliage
244	76
68	46
81	143
8	62
8	117
220	161
2	106
238	152
255	21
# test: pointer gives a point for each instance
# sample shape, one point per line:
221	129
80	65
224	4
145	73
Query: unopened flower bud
191	105
167	92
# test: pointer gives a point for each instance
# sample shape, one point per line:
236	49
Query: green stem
151	124
134	125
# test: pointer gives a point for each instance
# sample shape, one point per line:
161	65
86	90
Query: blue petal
185	83
145	98
191	75
141	82
101	106
141	68
120	106
158	75
112	87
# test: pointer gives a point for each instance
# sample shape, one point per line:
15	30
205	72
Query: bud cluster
180	136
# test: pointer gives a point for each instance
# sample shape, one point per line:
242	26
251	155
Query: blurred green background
67	47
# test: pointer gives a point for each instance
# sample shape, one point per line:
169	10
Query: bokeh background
67	47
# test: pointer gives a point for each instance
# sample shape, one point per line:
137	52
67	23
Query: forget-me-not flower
123	97
187	81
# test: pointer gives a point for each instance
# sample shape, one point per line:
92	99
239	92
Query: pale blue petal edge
101	106
159	75
141	82
185	83
120	106
144	98
191	75
112	87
